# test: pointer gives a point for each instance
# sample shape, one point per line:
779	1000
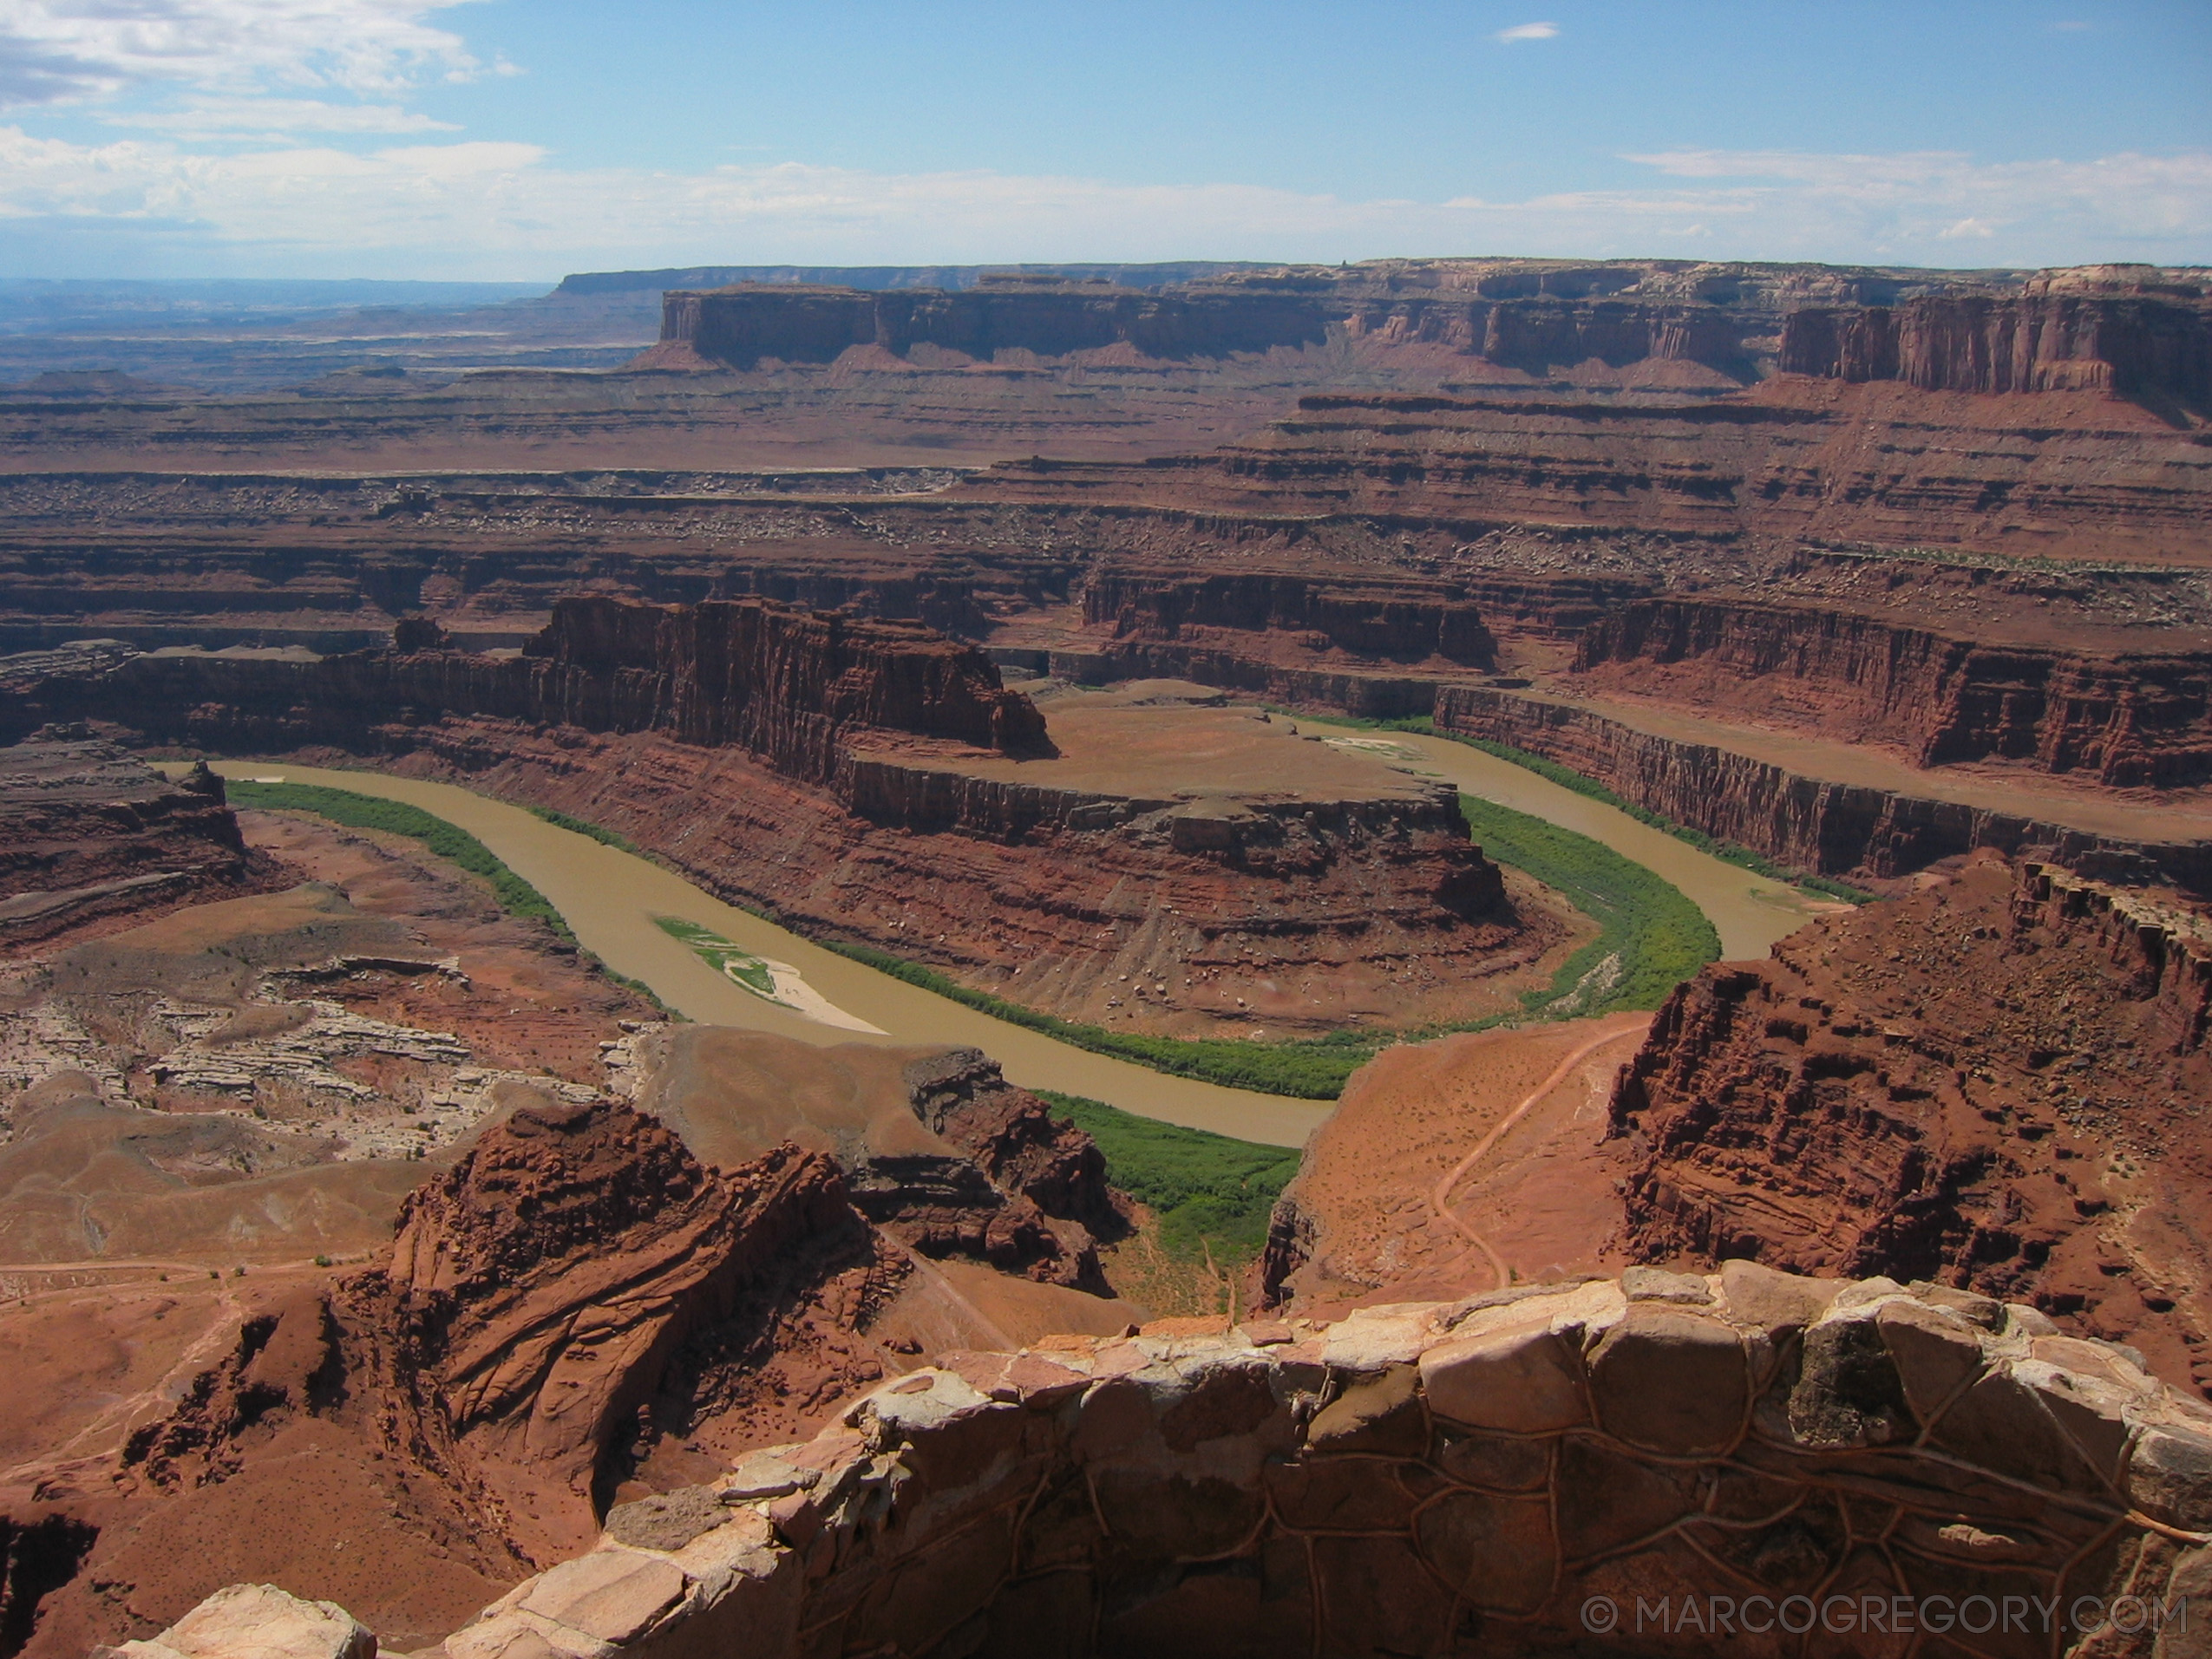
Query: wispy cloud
64	51
1528	31
480	208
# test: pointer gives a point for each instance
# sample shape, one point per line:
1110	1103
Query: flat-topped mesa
2156	341
1602	1467
740	327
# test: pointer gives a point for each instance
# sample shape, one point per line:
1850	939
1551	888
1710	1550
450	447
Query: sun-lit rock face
1541	1469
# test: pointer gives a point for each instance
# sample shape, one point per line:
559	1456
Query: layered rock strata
2079	474
936	1148
87	831
1534	318
2139	718
1604	1467
1808	823
737	327
788	685
2139	344
1996	1081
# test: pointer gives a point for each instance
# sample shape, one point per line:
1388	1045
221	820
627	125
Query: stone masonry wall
1660	1465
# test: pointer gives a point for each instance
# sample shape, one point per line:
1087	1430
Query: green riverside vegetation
1314	1069
1649	939
729	959
1213	1195
614	838
450	841
1567	778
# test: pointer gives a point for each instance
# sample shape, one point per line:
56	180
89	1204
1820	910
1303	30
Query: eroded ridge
1482	1477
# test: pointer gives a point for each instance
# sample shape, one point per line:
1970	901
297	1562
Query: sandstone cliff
1536	317
1994	1082
1808	823
790	686
2135	346
739	327
2126	718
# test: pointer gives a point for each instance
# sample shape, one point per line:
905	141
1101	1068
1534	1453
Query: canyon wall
2135	346
1994	1082
2139	718
2075	474
1603	1467
1413	622
1534	317
789	686
1808	823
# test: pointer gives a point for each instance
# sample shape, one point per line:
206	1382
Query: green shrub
1211	1193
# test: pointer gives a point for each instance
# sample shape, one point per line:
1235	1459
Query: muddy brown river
611	899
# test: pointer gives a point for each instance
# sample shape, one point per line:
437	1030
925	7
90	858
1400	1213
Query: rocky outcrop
87	831
1540	336
1994	1082
2136	719
2164	951
1537	317
540	1291
1012	1137
1602	1467
2138	345
1808	823
250	1621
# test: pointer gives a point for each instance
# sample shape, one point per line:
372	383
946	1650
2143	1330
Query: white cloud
272	120
1528	31
60	51
2147	206
498	209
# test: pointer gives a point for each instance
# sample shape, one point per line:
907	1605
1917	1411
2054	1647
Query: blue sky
521	139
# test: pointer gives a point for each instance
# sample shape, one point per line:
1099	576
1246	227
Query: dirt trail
1440	1195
